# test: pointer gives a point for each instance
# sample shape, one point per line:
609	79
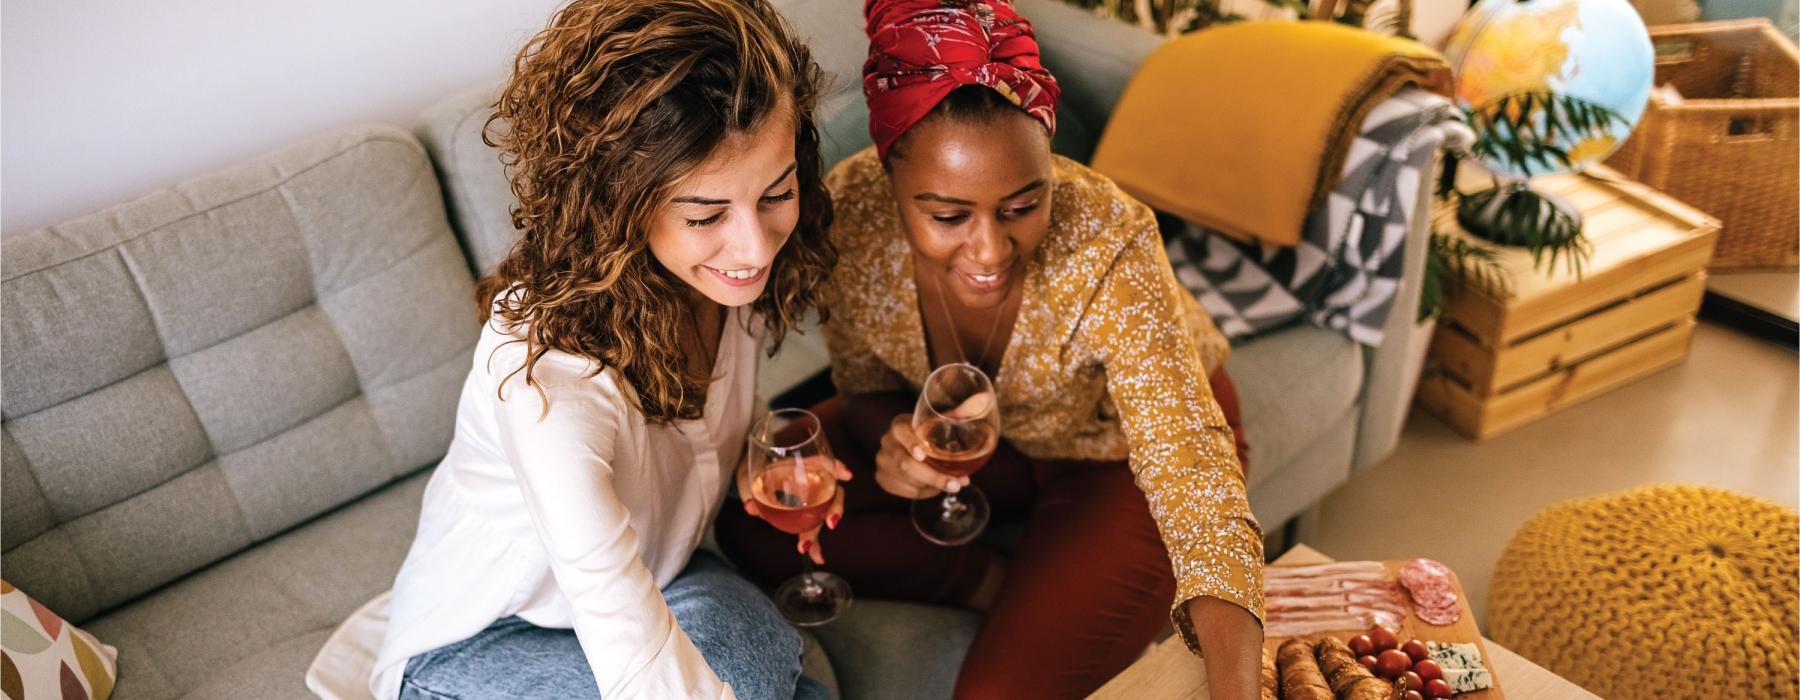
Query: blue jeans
738	630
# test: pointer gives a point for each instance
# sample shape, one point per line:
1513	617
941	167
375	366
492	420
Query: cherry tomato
1413	695
1412	680
1437	688
1384	639
1361	645
1367	662
1391	663
1428	670
1415	649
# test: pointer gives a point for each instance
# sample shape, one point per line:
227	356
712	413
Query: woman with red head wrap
962	238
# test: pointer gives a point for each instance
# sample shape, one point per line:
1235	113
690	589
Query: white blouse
572	518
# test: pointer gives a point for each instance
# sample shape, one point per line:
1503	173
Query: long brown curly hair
608	107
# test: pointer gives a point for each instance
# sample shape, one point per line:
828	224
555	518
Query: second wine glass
957	420
793	479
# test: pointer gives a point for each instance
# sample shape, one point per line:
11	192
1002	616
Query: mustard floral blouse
1108	360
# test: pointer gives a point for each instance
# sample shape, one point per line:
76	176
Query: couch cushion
1314	470
1093	59
249	626
832	29
476	192
884	649
200	369
1293	386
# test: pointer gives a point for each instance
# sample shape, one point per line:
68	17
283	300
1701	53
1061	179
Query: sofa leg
1305	525
1276	541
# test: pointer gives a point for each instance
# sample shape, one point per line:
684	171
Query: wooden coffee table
1169	671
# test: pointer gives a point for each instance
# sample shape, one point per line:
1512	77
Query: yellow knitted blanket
1244	128
1660	592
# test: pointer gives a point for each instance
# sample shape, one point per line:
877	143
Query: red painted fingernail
832	521
805	546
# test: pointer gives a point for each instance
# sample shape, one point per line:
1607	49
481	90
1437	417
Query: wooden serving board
1464	631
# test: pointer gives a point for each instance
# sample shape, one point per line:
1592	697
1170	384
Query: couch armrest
1390	372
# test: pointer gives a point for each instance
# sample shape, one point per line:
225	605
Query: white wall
105	100
102	101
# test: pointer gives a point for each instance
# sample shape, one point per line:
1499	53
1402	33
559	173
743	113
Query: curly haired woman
672	213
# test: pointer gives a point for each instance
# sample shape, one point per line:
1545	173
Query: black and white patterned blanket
1346	270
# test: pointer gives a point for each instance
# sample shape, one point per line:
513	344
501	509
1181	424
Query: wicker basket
1728	147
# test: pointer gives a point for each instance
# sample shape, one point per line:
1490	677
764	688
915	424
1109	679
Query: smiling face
724	223
974	197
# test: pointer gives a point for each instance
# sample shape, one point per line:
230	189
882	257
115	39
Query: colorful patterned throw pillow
44	658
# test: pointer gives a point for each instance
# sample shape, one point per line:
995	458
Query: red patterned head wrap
922	50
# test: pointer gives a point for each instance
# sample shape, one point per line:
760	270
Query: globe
1595	50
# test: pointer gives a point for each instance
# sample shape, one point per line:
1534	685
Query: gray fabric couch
221	401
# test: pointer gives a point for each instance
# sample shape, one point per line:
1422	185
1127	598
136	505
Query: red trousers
1085	591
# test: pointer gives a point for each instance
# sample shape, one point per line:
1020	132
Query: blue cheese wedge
1462	666
1468	680
1455	655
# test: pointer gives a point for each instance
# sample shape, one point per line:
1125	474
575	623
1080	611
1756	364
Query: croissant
1271	686
1299	671
1341	671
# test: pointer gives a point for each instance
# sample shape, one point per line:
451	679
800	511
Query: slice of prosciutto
1336	569
1337	596
1353	619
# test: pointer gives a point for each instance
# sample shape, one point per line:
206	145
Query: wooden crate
1503	358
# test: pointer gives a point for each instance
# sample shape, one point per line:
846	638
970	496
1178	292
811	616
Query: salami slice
1440	616
1433	593
1433	596
1421	571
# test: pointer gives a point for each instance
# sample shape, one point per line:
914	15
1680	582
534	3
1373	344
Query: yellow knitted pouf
1658	592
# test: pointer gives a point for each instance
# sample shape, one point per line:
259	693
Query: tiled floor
1726	417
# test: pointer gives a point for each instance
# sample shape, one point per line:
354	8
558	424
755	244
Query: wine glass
793	481
957	420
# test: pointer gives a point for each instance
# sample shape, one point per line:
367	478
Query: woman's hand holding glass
957	425
790	479
901	468
807	541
